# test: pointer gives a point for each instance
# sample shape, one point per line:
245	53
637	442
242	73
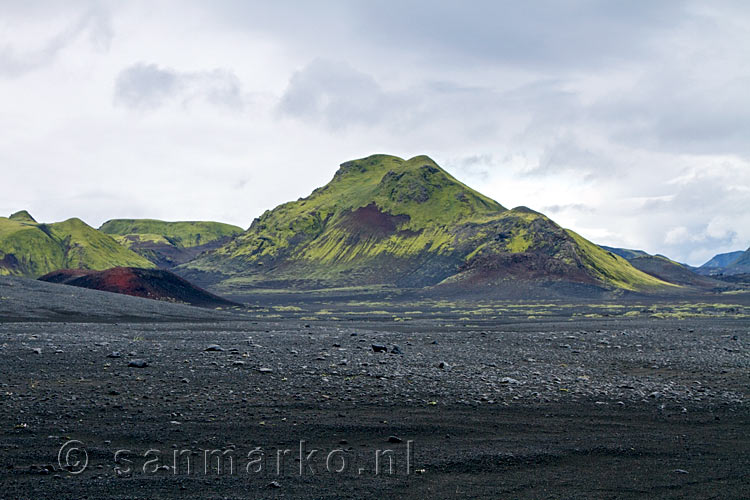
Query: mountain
168	244
383	220
741	265
156	284
719	261
668	270
31	249
727	264
625	253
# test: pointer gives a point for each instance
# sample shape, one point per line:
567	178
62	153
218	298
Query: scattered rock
379	348
395	350
214	348
265	370
138	363
444	366
394	439
274	485
114	355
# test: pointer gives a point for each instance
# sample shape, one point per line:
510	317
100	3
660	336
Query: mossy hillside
183	234
87	248
426	200
26	249
134	240
30	249
613	269
22	216
386	220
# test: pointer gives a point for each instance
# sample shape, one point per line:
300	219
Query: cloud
577	207
543	34
95	22
147	87
336	95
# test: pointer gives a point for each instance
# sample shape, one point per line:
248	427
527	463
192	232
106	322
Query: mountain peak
386	220
417	187
379	164
22	216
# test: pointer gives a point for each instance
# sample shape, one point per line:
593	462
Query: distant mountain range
727	264
382	221
666	269
722	260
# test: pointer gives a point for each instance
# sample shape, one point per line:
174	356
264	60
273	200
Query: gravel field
518	408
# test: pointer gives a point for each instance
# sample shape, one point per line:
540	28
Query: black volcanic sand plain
644	399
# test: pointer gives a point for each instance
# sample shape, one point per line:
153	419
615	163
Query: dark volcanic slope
671	271
23	299
147	283
625	253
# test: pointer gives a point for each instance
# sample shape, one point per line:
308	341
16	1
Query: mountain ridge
31	249
386	220
168	244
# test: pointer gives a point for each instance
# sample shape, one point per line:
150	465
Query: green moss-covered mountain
29	248
168	244
408	223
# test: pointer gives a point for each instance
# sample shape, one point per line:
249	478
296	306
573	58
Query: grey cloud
148	86
670	116
530	34
336	94
704	212
95	22
570	33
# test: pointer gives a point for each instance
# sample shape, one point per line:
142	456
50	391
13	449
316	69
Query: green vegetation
612	268
184	234
30	249
385	220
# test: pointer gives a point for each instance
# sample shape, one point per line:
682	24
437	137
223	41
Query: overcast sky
628	122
